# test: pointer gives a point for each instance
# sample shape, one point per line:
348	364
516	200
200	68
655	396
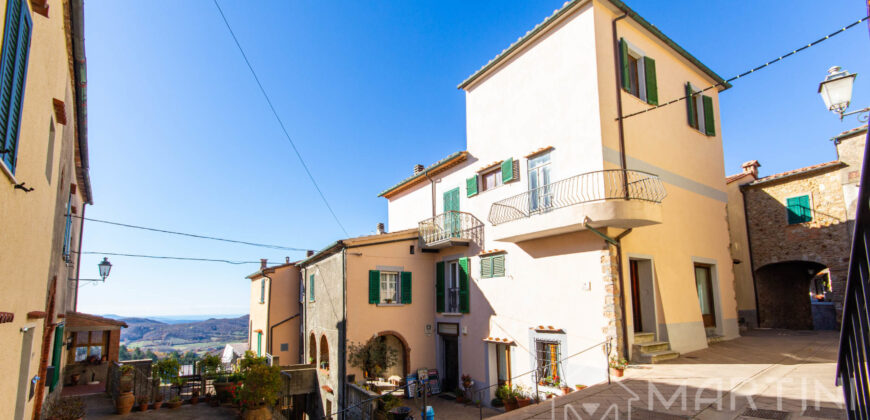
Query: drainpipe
432	183
616	55
269	314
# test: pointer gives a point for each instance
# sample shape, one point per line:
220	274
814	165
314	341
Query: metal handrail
449	225
609	184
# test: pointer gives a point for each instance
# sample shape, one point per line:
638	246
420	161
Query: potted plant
580	387
174	402
372	357
125	401
126	382
522	396
142	402
166	370
194	396
550	395
617	366
68	408
158	399
507	397
565	389
75	378
259	390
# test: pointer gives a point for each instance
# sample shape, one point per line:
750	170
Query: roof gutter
80	84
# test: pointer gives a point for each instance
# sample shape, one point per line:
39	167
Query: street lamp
105	268
836	92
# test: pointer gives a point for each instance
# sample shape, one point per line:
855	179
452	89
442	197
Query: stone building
791	236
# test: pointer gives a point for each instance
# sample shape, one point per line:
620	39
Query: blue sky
181	138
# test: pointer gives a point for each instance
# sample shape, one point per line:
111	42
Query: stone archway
395	340
783	294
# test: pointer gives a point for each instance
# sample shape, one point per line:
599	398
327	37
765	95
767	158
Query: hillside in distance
161	336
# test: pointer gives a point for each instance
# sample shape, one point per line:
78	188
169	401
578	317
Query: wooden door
635	297
704	284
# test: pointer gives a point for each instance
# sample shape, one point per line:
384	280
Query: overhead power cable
278	118
192	235
748	72
160	257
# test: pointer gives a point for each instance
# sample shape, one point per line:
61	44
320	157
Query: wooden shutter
311	288
794	210
56	354
690	110
498	266
406	287
439	287
623	61
709	120
652	90
471	185
464	301
13	68
806	211
374	286
485	267
507	170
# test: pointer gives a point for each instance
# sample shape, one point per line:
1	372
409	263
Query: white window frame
638	54
491	171
397	287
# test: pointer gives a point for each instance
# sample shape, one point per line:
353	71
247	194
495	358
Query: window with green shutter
464	287
405	288
311	288
439	287
13	69
492	266
709	123
56	354
498	265
471	185
638	73
699	111
507	170
485	267
652	90
799	210
374	286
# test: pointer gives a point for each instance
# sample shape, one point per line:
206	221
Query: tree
373	356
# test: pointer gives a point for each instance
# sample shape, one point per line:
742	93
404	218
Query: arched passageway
783	294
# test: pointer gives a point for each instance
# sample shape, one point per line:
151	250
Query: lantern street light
836	92
105	268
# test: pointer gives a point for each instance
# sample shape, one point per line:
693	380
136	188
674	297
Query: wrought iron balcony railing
608	184
451	226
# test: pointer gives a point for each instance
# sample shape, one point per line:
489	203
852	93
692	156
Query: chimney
418	168
262	263
309	253
380	229
751	168
286	260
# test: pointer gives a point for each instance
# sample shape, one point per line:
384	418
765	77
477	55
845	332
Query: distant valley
167	334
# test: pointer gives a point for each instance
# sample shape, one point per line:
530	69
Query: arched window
324	353
312	349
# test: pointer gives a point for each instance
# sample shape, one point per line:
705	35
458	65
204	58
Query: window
324	353
549	365
67	232
503	364
638	73
259	344
389	287
88	344
492	266
49	156
312	349
539	183
799	210
311	288
13	68
699	110
491	179
453	287
262	290
284	346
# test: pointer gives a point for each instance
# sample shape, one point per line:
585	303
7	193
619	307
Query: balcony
616	198
452	228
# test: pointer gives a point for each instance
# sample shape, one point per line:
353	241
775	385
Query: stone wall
824	240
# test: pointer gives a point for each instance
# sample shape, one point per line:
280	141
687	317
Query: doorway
24	373
704	284
643	299
451	216
449	333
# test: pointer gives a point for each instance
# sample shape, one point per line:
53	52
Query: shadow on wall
783	294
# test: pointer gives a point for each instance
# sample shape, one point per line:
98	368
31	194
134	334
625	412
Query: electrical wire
280	122
192	235
748	72
159	257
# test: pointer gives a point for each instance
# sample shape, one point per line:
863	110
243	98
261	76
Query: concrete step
640	338
657	357
650	347
713	339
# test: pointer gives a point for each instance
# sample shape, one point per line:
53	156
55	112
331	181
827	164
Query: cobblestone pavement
100	406
766	374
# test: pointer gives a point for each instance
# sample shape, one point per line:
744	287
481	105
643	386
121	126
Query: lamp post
836	92
105	267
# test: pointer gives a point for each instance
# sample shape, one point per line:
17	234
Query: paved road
764	374
100	407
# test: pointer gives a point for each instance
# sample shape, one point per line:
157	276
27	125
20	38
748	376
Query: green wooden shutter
652	90
471	185
439	287
709	120
464	301
498	266
806	211
311	288
259	344
507	170
56	354
485	267
406	287
374	286
623	61
13	69
799	210
690	110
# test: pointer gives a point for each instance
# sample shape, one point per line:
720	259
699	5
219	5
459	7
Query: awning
499	340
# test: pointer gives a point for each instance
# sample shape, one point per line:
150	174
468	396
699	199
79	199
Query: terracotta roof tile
786	174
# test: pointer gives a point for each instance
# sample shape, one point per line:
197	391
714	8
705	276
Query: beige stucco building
44	166
595	229
275	313
792	233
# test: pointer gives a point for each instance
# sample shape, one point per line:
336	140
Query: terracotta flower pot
617	372
580	387
194	399
158	404
522	402
260	413
143	407
551	396
566	390
126	383
510	404
125	403
74	378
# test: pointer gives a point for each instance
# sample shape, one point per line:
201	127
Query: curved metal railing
450	224
608	184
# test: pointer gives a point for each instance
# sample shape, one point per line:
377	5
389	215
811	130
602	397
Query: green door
451	215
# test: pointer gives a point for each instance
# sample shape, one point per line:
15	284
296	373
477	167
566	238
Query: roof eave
452	158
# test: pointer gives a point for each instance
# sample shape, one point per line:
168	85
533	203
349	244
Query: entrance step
656	357
650	347
640	338
713	339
